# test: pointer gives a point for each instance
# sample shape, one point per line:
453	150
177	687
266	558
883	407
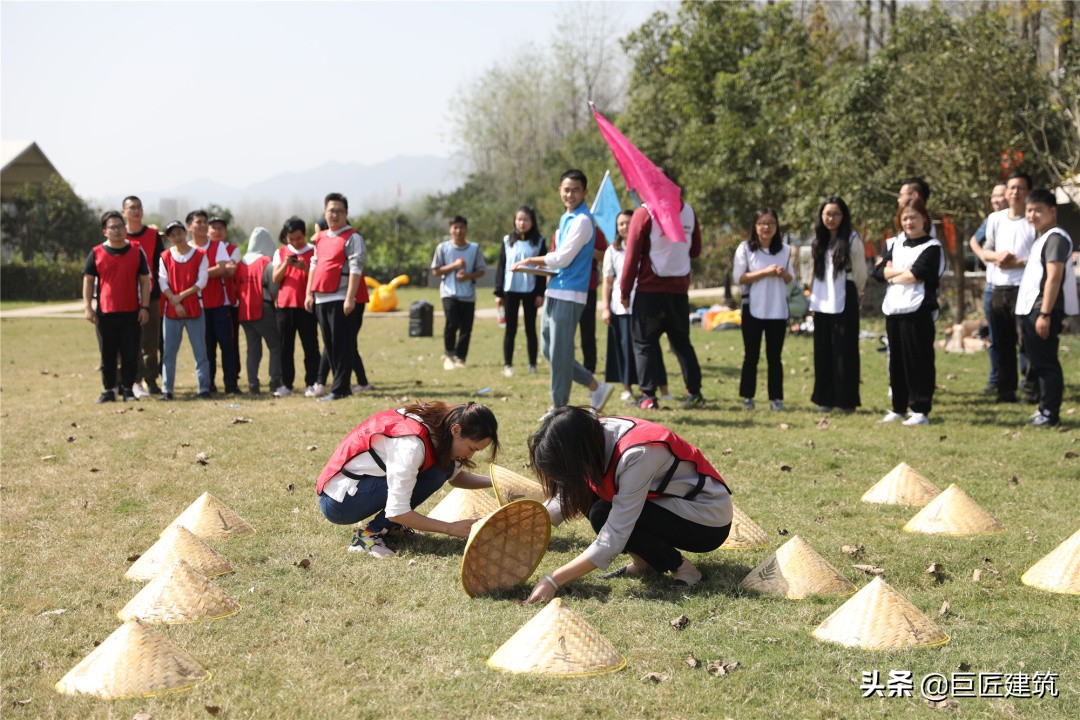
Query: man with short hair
997	202
337	266
214	302
566	294
122	277
219	230
459	263
149	240
1009	237
913	187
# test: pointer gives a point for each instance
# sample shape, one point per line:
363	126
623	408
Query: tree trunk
1065	31
1036	30
868	28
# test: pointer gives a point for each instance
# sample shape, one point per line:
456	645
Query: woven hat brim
463	504
878	617
510	486
796	571
1059	570
745	534
505	547
953	513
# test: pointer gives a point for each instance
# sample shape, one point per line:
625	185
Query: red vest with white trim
230	282
293	286
249	287
182	275
388	423
118	280
644	432
147	242
331	260
213	295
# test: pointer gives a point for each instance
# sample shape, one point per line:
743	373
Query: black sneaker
204	396
152	387
1044	420
129	395
235	390
990	389
165	396
107	396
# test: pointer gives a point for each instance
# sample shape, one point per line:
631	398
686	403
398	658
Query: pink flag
663	197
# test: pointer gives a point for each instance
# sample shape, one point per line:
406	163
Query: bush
41	279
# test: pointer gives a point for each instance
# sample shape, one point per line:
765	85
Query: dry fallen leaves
870	569
141	715
976	576
680	622
852	550
312	448
945	608
202	458
212	709
934	569
692	661
822	424
728	451
654	677
1070	454
133	558
238	420
719	668
781	531
47	458
303	564
942	704
785	426
785	468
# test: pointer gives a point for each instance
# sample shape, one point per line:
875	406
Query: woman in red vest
395	460
645	490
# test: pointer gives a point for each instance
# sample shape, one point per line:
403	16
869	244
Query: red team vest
389	423
644	432
293	288
213	295
249	286
118	280
147	242
181	277
331	260
230	282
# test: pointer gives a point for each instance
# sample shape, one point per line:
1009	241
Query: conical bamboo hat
902	486
797	571
510	486
135	661
178	544
461	504
557	641
179	594
505	547
1059	571
745	534
953	512
210	519
879	617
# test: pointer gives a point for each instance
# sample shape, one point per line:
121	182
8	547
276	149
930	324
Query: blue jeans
370	498
172	334
558	330
991	351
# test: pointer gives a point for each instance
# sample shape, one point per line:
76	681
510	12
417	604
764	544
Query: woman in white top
763	266
835	292
514	288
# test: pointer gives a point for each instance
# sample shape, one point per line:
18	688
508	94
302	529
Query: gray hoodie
261	244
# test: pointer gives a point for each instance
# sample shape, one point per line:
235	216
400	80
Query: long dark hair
754	242
567	449
477	423
533	234
841	255
618	241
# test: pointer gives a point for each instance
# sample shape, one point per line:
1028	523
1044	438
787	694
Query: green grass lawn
86	486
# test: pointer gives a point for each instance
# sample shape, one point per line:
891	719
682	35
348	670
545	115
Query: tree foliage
50	221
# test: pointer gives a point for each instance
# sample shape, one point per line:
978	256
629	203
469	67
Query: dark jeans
149	360
370	499
1044	366
836	355
911	360
119	334
292	321
356	320
774	331
659	534
219	333
1004	326
620	366
458	331
991	351
653	315
527	301
587	323
339	341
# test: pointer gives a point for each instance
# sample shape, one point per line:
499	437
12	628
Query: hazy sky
143	96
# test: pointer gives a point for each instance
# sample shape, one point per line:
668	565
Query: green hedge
41	279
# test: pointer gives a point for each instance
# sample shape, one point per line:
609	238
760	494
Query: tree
395	245
50	220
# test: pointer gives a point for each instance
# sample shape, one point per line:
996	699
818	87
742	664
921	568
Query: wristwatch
1042	314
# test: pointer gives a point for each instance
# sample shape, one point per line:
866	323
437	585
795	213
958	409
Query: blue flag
606	207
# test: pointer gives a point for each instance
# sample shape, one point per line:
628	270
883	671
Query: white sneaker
282	392
139	391
917	419
316	390
459	363
448	363
599	397
892	417
626	395
371	543
508	371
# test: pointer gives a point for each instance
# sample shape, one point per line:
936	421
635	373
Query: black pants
911	360
292	321
620	366
234	315
588	332
774	331
527	301
118	334
836	355
356	321
659	534
1004	325
655	314
1044	366
339	339
220	333
458	330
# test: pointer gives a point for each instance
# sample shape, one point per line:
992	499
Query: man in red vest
147	239
123	281
215	304
183	275
337	267
219	230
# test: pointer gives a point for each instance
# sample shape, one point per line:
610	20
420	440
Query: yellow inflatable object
383	297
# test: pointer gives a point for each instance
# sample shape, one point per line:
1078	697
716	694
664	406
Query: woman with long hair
911	267
395	460
835	292
763	267
645	490
514	288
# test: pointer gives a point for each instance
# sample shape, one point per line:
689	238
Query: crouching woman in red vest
395	460
645	490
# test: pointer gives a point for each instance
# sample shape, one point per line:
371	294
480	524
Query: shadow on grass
428	544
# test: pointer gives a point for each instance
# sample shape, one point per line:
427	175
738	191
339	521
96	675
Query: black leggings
659	535
527	301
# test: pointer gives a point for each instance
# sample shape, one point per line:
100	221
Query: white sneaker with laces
459	363
309	391
448	363
916	419
508	371
282	392
599	397
892	417
139	391
317	390
626	395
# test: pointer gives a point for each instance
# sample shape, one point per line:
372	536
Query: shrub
41	279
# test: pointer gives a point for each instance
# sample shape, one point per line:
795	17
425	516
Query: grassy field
86	486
